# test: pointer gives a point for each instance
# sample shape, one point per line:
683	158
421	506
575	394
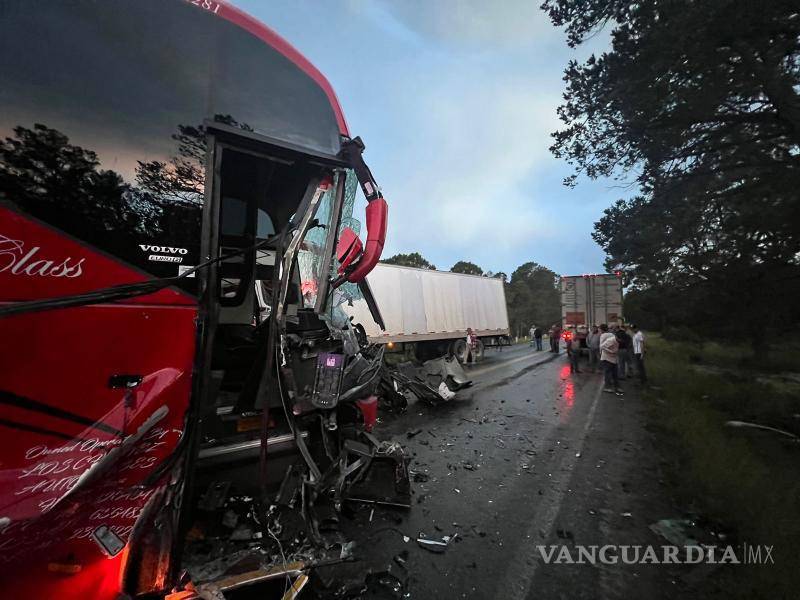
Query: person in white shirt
609	347
638	353
472	342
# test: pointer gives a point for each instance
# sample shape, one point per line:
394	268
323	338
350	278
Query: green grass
745	481
782	358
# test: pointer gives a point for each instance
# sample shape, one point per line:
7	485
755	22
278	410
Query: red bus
172	176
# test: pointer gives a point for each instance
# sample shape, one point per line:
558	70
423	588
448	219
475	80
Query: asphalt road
530	455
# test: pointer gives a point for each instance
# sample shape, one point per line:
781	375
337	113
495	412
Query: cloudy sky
455	101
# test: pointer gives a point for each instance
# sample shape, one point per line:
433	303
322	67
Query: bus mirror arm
377	216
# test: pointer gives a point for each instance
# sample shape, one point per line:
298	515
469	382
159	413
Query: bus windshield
313	258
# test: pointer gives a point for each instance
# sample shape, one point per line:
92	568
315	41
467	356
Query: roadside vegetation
695	112
742	480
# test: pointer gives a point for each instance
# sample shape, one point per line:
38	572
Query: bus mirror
349	249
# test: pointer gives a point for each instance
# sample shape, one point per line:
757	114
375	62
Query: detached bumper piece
433	381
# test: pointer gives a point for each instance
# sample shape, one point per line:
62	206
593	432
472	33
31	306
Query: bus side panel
38	261
92	403
76	450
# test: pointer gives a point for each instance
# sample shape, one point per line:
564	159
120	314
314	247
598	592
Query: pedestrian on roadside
609	347
638	353
574	351
537	335
555	338
593	344
624	355
531	341
472	343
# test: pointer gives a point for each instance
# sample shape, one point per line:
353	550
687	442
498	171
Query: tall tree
414	259
466	267
532	297
697	104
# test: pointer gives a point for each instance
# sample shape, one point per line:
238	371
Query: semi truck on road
433	309
588	300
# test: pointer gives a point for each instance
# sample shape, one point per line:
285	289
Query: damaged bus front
172	181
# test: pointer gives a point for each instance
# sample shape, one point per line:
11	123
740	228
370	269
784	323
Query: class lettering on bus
106	115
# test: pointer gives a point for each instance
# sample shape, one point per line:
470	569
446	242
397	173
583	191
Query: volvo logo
163	249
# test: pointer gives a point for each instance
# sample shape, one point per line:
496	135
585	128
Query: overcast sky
455	101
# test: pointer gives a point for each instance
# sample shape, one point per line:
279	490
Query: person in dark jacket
555	338
537	336
593	344
574	351
624	358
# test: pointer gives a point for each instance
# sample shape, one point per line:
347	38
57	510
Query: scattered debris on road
433	381
748	425
436	546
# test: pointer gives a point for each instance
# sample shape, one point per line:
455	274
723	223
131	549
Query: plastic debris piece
675	531
230	519
347	550
402	558
297	586
762	427
435	546
445	392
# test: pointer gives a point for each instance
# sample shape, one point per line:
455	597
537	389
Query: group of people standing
536	334
618	353
613	349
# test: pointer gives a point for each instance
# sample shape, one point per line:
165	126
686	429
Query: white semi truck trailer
588	300
433	309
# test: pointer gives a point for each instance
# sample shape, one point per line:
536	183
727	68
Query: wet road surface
530	455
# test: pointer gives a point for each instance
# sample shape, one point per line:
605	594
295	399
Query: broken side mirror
349	249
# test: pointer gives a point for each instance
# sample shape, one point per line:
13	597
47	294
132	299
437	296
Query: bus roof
261	31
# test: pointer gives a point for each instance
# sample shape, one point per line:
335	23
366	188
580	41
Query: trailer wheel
460	351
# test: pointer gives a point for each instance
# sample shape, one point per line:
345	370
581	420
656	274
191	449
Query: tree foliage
696	105
533	298
414	259
466	267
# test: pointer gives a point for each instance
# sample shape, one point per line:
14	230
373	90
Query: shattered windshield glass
312	263
348	292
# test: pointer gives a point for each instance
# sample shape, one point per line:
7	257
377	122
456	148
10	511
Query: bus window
258	196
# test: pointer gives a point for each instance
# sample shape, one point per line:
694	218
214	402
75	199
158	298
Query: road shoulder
615	492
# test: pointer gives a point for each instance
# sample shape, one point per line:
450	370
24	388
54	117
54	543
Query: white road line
522	569
503	364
